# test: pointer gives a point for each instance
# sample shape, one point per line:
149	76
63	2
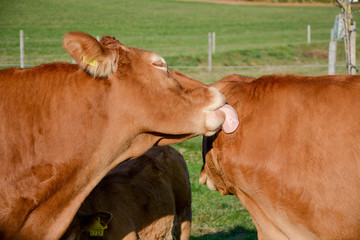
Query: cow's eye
160	64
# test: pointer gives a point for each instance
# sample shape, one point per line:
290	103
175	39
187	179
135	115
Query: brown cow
294	162
149	198
65	126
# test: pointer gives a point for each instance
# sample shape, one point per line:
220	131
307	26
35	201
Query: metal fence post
22	55
213	42
209	57
332	54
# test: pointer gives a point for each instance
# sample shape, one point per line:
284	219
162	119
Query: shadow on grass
238	233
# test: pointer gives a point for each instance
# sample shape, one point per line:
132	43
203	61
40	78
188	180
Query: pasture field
245	36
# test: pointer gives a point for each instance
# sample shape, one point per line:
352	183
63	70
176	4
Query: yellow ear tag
97	229
92	62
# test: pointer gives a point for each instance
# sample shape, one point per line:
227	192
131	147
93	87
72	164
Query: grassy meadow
247	36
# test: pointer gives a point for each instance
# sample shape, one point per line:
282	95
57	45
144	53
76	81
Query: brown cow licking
294	161
65	126
149	198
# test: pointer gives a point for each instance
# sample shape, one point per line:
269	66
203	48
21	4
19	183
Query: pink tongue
231	119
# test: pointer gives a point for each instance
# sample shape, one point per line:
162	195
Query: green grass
245	36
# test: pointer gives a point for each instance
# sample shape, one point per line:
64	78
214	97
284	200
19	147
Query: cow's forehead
147	56
156	58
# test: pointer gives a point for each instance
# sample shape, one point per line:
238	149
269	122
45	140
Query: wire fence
39	50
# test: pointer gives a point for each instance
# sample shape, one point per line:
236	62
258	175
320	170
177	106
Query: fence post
352	31
213	42
22	56
308	34
209	56
332	54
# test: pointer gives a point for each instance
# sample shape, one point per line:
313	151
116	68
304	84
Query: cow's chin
205	180
213	122
211	185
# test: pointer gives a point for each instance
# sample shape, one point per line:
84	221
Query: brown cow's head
157	102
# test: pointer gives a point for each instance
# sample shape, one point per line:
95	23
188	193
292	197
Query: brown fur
149	198
65	126
294	161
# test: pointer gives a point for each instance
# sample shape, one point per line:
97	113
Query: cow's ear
91	56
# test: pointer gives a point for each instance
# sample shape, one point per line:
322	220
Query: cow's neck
64	176
75	189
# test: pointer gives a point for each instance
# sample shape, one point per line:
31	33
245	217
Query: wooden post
352	31
22	55
308	34
209	56
332	54
213	42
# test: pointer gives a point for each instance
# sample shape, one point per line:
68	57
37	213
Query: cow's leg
182	224
185	230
